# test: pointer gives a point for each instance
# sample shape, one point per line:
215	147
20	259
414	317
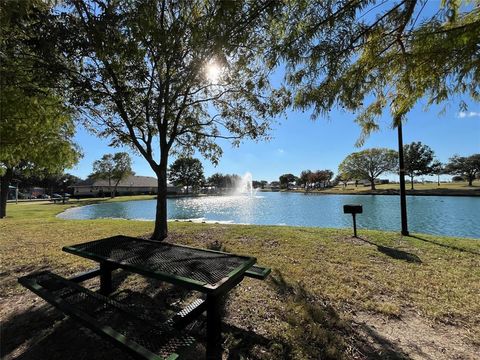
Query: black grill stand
354	210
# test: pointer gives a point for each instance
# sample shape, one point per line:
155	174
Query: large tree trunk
112	195
115	188
470	180
161	230
5	181
411	181
372	184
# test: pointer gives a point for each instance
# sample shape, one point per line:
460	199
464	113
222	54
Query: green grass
453	188
320	278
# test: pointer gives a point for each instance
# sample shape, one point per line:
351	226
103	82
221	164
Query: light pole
64	190
403	194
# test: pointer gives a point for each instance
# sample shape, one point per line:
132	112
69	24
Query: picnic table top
197	269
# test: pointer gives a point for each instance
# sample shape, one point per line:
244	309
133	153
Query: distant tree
369	164
304	178
232	180
113	168
259	184
51	182
465	166
418	159
186	171
343	178
217	180
285	179
437	168
323	177
263	183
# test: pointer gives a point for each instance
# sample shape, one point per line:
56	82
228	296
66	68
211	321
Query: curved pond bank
452	216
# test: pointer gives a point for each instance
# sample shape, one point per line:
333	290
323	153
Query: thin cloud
465	114
280	151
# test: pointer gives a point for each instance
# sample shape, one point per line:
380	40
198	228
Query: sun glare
213	71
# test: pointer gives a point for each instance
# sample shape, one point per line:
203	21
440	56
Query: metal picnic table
210	272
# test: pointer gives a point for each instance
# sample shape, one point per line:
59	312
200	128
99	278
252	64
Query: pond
442	215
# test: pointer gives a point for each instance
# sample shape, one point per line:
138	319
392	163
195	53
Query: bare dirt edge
419	338
416	337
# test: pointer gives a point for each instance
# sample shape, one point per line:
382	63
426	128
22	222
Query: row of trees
369	164
308	179
418	160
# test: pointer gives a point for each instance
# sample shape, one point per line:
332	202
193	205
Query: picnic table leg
105	278
214	322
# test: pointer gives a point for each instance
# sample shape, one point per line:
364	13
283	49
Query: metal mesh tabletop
178	264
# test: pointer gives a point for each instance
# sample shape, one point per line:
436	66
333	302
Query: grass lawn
329	295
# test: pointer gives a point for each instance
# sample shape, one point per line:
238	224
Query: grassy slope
314	270
427	188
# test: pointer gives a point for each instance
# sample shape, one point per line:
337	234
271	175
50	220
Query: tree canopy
418	159
169	77
186	171
113	168
466	166
36	128
371	56
369	164
285	179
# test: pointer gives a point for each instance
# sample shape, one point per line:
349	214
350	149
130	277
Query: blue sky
299	143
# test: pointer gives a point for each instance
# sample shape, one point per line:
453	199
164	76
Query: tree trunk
115	188
110	188
438	180
411	182
161	230
372	184
470	180
4	184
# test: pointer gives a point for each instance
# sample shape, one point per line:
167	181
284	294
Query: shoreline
433	192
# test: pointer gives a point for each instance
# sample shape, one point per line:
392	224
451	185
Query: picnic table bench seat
113	320
258	272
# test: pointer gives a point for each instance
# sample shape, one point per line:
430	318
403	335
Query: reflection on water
456	216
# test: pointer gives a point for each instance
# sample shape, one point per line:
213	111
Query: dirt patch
31	329
416	337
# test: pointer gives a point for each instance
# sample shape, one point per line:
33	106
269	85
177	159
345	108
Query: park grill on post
353	209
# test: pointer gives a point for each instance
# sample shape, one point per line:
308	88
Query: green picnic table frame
213	273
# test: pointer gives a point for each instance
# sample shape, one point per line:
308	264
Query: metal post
403	194
214	323
105	278
354	225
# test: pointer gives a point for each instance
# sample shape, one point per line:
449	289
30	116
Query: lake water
442	215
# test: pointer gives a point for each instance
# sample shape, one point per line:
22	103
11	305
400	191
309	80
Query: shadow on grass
395	253
43	332
316	330
445	245
319	332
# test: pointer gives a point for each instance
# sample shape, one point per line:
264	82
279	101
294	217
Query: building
132	185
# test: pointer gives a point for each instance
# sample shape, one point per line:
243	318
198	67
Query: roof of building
130	181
